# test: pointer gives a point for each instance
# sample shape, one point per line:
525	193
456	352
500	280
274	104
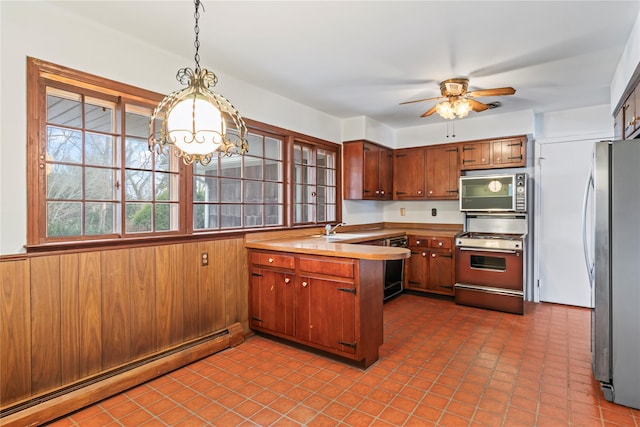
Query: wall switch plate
434	211
403	211
204	259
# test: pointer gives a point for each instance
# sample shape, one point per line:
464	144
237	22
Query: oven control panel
521	192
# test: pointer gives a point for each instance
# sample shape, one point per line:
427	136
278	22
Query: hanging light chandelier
195	121
454	107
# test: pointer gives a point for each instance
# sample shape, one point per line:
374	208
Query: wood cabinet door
475	155
409	173
618	125
325	313
441	272
272	300
370	172
509	152
442	172
418	269
385	173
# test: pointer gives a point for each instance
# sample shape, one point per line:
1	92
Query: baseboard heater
40	409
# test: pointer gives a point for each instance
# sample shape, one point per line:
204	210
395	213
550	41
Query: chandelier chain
196	30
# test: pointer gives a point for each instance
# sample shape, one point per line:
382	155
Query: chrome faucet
332	230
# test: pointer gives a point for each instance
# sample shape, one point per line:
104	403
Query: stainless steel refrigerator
611	225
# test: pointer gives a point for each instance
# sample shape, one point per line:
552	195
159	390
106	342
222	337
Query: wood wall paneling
69	319
90	313
169	296
191	290
15	326
142	318
116	309
45	324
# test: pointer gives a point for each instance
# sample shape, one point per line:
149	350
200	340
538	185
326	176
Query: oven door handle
501	251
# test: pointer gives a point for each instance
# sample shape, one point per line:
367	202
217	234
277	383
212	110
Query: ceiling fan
458	102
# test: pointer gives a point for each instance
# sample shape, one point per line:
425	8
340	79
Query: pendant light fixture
195	121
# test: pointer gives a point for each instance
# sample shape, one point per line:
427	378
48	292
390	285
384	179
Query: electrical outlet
403	211
434	211
204	258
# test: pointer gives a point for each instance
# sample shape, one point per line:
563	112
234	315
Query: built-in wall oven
490	262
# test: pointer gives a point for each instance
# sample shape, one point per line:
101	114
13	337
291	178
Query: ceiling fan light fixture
453	108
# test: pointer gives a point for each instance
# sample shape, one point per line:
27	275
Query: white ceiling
355	58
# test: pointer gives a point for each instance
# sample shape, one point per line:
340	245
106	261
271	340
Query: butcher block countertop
345	243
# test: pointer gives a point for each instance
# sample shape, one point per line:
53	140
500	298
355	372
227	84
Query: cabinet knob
419	191
287	280
433	255
430	192
377	191
304	284
382	192
270	260
439	243
417	242
424	254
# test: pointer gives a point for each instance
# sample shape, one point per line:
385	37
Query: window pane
137	123
252	168
205	216
205	189
255	145
272	170
252	215
137	154
64	145
99	149
99	115
166	215
273	214
252	191
231	216
64	219
99	184
138	185
166	184
273	148
138	217
231	166
99	218
273	192
64	108
230	190
304	213
64	182
210	170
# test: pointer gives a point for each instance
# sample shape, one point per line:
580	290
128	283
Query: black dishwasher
394	270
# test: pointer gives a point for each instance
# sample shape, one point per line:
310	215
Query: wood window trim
40	73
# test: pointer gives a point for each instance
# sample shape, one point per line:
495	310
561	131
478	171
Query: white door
563	173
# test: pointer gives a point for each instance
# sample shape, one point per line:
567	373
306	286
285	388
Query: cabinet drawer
327	267
273	260
419	241
440	243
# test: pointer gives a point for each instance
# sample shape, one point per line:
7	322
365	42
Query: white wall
43	31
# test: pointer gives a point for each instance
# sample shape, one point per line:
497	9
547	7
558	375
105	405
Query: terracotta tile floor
441	364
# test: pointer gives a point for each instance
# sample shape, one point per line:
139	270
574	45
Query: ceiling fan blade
477	106
420	100
499	91
430	112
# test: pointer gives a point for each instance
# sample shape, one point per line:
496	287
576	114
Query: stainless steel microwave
494	193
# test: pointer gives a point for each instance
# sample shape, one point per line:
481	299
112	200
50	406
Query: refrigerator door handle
589	188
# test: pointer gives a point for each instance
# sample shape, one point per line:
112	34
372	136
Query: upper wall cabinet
494	153
367	171
443	171
409	174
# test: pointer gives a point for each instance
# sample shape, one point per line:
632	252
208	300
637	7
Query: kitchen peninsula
325	292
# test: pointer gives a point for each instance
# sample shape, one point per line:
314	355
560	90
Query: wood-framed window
91	177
